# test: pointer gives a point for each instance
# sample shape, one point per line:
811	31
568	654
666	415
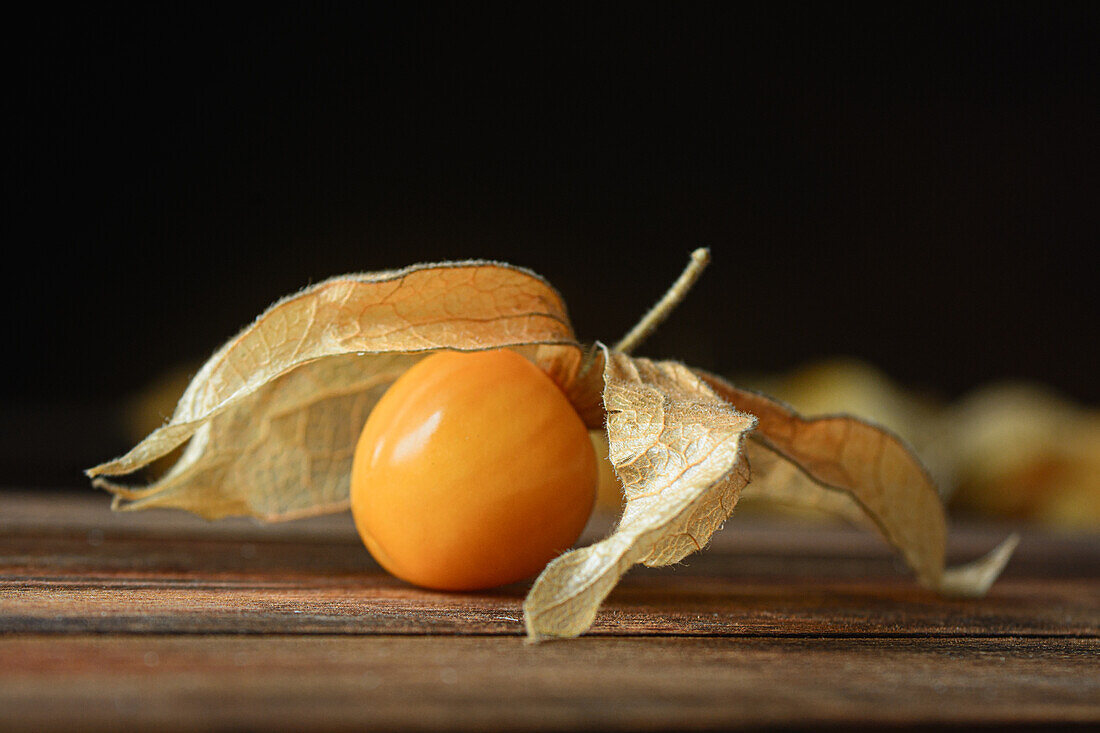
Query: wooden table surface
159	619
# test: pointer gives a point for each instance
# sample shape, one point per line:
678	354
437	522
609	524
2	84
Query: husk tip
973	580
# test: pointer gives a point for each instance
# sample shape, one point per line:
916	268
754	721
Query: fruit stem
700	258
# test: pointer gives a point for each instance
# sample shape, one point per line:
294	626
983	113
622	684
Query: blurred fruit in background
1023	452
1013	451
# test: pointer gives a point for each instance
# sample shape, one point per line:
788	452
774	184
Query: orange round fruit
472	471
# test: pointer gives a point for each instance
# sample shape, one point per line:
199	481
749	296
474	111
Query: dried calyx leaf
676	447
676	443
867	468
272	418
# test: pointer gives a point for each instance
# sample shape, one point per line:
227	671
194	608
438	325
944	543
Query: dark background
916	187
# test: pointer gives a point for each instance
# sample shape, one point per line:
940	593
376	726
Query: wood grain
159	619
91	570
176	600
449	683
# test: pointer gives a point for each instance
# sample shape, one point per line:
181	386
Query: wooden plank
656	603
160	619
86	519
74	567
434	683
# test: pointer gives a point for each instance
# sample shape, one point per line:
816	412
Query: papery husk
677	449
271	420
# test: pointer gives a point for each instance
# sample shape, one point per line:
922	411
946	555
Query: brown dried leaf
272	418
877	472
778	482
676	447
852	387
